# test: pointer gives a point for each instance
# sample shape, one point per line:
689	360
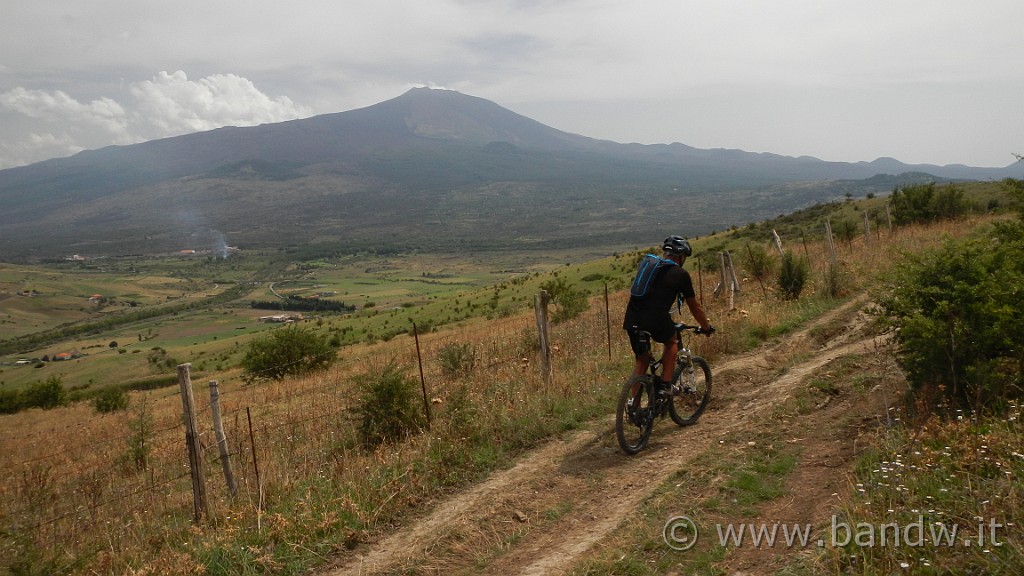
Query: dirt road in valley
553	507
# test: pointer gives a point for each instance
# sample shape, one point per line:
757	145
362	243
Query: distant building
281	318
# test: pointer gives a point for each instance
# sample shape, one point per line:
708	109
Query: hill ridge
416	163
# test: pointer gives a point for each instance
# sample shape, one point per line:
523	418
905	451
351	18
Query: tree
290	351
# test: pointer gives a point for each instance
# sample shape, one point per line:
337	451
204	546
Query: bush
110	399
10	401
569	301
290	351
47	394
926	203
457	359
959	323
141	431
792	275
389	404
758	262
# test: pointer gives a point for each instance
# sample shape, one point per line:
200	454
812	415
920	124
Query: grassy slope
519	411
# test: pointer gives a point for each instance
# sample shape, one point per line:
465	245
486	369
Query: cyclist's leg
668	359
641	345
664	333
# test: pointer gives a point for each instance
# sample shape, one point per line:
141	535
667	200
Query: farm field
389	294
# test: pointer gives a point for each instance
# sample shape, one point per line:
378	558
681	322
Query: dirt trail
545	513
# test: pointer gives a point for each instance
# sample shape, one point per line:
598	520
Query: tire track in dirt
544	513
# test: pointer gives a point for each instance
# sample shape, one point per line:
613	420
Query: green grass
958	474
726	483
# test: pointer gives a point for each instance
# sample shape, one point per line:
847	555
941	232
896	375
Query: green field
389	294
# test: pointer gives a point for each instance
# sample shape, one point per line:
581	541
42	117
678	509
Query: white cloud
58	107
171	104
35	147
53	123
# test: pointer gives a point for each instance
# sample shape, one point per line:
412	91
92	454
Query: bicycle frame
644	400
684	357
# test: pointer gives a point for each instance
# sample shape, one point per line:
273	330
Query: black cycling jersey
654	313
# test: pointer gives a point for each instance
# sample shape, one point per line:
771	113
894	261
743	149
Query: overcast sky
923	81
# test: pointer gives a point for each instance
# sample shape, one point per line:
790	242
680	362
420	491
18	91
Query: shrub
569	301
792	275
47	394
111	399
290	351
926	203
846	230
10	401
389	405
758	262
959	323
457	359
141	431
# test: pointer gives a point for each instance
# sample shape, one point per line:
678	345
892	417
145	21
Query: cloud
171	104
53	123
58	107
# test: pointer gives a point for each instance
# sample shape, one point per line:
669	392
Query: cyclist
653	313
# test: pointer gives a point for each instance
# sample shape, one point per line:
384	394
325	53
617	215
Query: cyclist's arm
698	313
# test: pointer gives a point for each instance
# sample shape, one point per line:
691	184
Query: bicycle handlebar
696	329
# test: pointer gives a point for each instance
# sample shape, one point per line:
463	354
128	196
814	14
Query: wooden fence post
734	284
700	281
750	253
778	242
608	320
423	381
867	230
255	462
540	302
222	440
195	460
831	245
721	275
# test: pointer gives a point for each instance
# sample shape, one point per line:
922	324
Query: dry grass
74	501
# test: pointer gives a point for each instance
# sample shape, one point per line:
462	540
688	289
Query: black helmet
676	245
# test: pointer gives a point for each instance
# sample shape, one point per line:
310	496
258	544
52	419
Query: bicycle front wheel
691	392
634	417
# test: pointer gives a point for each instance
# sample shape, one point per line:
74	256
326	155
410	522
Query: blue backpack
648	270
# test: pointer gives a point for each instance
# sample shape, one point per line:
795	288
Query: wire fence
115	471
111	477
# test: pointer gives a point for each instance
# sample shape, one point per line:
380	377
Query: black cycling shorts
660	332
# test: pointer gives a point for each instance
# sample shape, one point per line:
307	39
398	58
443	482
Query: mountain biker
653	313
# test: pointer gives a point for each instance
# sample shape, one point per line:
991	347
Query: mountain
428	170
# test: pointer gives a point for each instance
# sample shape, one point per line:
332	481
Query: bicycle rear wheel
690	396
634	417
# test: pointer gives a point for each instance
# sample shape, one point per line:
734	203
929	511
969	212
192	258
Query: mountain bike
644	399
